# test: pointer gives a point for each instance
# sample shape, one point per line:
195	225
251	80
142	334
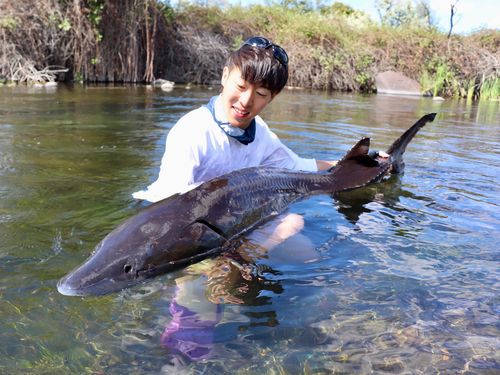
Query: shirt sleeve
179	162
279	155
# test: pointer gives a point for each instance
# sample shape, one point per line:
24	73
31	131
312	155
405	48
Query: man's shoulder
261	125
196	116
263	129
197	120
195	129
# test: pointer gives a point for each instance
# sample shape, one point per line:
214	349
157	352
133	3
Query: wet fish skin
186	228
397	149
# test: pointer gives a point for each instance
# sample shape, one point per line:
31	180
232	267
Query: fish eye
151	267
127	268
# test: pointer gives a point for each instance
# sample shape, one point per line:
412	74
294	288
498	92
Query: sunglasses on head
260	42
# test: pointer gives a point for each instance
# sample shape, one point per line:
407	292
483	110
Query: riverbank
339	49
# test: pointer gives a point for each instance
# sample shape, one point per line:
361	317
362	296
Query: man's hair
258	65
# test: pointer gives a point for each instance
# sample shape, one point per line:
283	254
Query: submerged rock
167	88
397	83
161	82
168	85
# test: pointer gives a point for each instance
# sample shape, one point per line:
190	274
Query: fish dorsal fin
359	154
359	149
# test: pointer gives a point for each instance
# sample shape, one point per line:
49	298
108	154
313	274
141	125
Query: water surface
404	277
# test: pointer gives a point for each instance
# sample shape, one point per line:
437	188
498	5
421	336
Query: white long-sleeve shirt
197	150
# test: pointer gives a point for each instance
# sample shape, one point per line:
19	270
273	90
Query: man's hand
324	165
383	155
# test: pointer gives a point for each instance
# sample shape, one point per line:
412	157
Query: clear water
404	277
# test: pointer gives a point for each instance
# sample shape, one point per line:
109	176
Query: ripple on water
406	280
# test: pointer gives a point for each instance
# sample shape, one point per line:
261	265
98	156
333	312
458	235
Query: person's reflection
196	304
191	330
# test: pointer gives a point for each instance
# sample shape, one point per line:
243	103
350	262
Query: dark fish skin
183	229
399	146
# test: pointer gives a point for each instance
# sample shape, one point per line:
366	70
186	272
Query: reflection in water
400	277
234	279
191	330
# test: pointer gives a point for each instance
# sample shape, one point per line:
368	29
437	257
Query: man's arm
324	165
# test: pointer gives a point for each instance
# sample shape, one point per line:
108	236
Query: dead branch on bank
195	55
37	37
50	32
28	73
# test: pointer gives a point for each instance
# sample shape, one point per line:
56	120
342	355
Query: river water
403	277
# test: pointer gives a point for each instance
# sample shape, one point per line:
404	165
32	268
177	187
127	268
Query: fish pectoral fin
212	227
205	236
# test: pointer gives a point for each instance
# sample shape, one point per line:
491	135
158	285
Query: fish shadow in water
352	204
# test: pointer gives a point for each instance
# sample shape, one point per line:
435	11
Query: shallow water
398	277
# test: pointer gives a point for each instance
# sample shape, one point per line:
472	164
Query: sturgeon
210	218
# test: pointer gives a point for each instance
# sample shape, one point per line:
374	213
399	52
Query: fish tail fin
398	148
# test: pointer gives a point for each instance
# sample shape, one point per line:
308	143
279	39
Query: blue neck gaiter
244	136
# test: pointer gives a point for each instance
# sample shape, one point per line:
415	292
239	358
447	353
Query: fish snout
70	285
87	280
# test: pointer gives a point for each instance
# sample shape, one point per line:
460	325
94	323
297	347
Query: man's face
242	101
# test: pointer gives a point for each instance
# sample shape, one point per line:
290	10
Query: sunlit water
404	278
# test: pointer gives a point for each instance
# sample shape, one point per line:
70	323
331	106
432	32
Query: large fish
186	228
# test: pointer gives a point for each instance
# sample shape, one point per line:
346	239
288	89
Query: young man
228	134
223	136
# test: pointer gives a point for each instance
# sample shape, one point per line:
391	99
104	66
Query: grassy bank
345	51
330	47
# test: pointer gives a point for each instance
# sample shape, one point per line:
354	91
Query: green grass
490	89
347	49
